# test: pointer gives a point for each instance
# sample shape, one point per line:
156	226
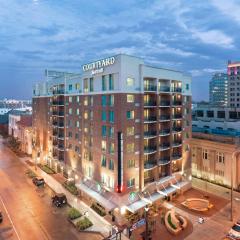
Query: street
27	211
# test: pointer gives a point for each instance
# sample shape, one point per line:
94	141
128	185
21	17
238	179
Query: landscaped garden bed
30	173
46	169
98	209
83	224
70	186
73	214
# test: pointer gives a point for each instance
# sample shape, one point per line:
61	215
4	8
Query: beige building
212	158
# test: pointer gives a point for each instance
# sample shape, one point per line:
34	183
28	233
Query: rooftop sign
97	67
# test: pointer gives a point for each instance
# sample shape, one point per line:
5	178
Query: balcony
55	133
150	150
164	146
150	134
150	88
150	104
177	89
150	119
60	124
164	161
58	113
177	129
177	144
164	118
149	165
164	104
58	103
60	91
148	180
55	143
61	147
61	136
177	103
176	157
164	89
55	124
164	132
177	116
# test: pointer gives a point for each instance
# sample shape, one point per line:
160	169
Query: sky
197	37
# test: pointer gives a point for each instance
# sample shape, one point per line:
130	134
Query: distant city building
14	104
4	110
121	128
218	89
233	84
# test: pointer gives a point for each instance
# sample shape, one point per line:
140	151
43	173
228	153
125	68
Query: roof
26	121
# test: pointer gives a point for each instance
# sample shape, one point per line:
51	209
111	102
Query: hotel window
130	82
91	115
205	154
77	124
78	99
90	141
77	149
104	100
91	85
130	147
187	86
111	148
70	99
70	111
103	161
111	116
85	85
130	182
77	111
111	164
70	87
130	131
91	100
70	134
86	129
89	172
111	82
130	114
69	123
104	83
85	103
104	145
131	163
111	100
104	115
111	132
76	136
104	131
86	115
69	146
220	157
130	98
77	86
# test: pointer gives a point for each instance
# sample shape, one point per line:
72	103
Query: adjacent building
234	84
121	129
218	90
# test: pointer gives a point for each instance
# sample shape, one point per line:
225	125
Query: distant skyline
197	37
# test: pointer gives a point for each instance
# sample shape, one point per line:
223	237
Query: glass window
103	161
77	124
70	111
104	83
70	87
111	148
111	82
77	111
130	114
70	134
131	163
104	115
70	99
130	98
85	114
76	136
130	147
77	86
85	103
85	85
111	164
130	82
111	116
111	132
130	182
91	100
221	157
130	131
205	154
104	146
104	131
78	99
91	85
111	100
104	100
187	86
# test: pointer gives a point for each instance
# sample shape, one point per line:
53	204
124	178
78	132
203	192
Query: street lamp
146	220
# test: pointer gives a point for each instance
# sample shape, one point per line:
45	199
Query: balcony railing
164	146
176	156
176	89
177	103
176	143
164	103
148	180
61	147
149	134
60	135
164	160
150	104
164	89
55	124
56	103
177	129
60	91
150	88
164	117
149	165
149	150
55	133
164	132
177	116
150	119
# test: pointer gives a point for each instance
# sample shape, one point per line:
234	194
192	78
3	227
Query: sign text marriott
98	64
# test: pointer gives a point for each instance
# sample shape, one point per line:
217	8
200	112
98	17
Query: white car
235	231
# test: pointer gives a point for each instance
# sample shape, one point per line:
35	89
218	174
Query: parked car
1	217
235	231
59	200
38	181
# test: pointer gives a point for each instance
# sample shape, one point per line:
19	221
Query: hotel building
120	129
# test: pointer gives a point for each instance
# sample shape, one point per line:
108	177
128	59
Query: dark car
59	199
1	217
38	181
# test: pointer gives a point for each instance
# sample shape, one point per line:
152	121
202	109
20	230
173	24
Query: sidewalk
100	225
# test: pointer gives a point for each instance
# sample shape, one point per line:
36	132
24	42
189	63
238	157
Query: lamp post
146	220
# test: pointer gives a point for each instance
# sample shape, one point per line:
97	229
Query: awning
98	197
179	185
167	191
137	205
155	196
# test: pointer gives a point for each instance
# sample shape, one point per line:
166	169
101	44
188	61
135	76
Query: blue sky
197	37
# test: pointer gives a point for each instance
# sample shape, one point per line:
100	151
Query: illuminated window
85	103
77	111
70	111
130	131
77	124
86	130
205	154
104	146
130	98
130	82
70	99
86	115
78	99
131	163
130	114
130	147
111	132
111	148
131	182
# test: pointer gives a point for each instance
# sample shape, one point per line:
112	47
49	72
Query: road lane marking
4	206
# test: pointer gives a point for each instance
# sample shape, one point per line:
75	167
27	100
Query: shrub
30	173
170	222
46	169
83	224
73	213
98	209
70	186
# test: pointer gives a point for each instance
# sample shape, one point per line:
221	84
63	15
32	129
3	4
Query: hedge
98	209
170	222
83	224
73	213
30	173
46	169
71	187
